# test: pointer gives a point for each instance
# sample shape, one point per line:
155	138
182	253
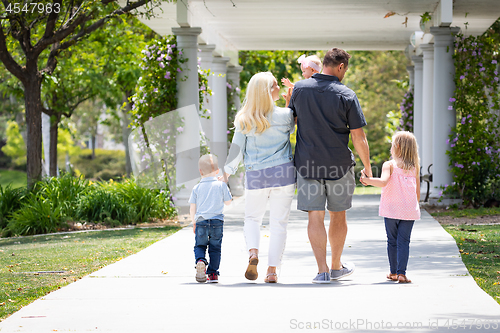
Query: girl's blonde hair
258	104
315	59
405	148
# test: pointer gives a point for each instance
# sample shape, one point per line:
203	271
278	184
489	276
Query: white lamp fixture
409	51
416	38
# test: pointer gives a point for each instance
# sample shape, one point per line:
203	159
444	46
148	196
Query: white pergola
215	30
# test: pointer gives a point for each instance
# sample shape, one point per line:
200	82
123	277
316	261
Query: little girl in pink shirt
399	202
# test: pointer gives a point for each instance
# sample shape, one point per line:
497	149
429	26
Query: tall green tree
105	65
41	37
374	76
283	64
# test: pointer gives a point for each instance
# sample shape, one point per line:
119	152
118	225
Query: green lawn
479	247
360	190
14	177
469	212
76	254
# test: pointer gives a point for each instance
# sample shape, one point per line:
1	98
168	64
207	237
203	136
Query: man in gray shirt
327	112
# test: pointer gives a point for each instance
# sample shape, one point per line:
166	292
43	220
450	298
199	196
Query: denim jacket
267	149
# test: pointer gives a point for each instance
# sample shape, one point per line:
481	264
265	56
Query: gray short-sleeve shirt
326	111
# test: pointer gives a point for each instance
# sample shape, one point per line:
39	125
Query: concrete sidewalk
133	295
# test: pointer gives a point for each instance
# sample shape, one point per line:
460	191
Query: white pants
280	199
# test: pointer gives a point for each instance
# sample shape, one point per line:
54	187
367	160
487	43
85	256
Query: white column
219	112
417	103
444	89
427	106
236	182
205	52
233	74
411	75
187	173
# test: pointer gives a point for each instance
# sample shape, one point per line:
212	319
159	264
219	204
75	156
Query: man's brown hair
335	57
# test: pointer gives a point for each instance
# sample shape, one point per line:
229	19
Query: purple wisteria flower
471	141
493	61
180	129
452	99
462	77
167	76
179	70
450	107
162	65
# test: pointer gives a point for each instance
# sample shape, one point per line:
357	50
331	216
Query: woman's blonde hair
405	148
258	104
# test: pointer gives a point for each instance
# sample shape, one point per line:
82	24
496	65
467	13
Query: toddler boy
207	203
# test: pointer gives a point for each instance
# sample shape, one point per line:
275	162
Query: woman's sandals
251	273
392	277
271	278
403	279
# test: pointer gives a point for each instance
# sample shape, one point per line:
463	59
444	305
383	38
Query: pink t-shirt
399	196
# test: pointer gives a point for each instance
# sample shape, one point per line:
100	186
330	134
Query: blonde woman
262	141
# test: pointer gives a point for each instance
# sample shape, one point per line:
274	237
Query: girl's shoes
271	278
251	273
403	279
392	277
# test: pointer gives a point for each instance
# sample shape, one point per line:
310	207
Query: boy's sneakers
213	278
322	278
201	271
346	270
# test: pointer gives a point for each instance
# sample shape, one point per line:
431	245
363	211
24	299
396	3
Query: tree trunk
92	138
126	132
54	124
33	105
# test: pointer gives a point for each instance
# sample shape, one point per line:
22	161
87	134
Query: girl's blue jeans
398	244
209	234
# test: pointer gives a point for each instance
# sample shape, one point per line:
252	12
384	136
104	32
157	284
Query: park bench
428	179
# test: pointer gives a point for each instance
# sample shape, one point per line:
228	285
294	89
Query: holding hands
365	179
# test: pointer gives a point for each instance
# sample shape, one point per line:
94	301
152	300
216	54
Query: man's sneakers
213	278
322	278
201	270
346	270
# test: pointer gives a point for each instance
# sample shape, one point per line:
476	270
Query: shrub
38	215
63	192
10	201
474	147
103	205
146	203
107	164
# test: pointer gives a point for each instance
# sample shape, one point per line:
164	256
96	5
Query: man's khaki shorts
312	194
